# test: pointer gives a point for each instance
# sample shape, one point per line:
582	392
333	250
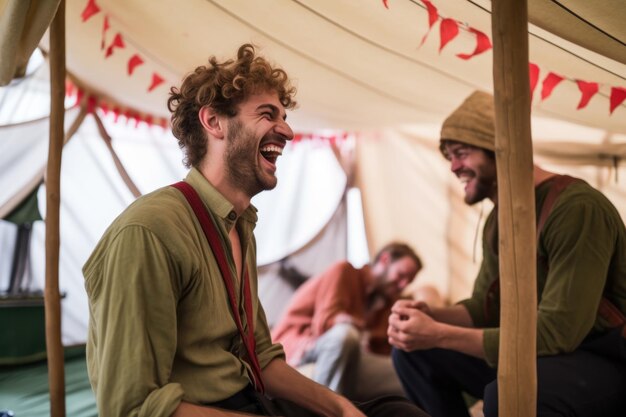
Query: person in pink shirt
335	316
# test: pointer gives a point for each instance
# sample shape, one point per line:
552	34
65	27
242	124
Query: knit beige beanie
472	122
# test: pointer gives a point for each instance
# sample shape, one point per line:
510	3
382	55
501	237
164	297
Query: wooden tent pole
517	373
54	347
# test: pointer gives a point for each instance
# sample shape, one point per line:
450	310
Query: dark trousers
578	384
248	401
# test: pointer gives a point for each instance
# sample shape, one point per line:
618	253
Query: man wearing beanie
439	353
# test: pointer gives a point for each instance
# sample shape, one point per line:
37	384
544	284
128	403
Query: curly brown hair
222	86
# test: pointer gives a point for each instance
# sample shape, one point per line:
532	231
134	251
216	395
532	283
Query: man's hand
411	327
420	305
282	381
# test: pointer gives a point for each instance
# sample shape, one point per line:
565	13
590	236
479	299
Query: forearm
456	315
282	381
461	339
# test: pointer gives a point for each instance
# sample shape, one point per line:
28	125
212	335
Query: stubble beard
241	161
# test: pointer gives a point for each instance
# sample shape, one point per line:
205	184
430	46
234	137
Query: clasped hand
411	327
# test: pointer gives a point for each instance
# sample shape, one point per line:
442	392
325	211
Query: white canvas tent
361	73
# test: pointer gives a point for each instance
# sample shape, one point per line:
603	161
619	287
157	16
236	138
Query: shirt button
232	215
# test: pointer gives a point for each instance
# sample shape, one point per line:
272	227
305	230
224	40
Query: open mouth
465	178
271	152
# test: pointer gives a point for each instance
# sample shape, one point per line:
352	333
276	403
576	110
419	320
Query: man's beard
242	163
483	188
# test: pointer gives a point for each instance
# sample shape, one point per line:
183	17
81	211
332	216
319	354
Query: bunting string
91	9
449	29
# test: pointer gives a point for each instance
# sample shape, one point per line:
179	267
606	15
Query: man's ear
384	259
212	122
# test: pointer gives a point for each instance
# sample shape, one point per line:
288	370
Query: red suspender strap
559	183
217	248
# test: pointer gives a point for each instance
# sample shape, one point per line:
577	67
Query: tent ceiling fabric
357	65
597	25
22	24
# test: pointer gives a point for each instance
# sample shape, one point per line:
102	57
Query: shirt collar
218	204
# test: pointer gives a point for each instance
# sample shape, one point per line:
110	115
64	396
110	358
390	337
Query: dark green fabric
27	211
584	243
24	389
23	330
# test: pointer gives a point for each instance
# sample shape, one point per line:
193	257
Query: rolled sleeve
491	344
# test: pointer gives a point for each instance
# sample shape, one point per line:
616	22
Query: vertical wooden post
517	372
54	347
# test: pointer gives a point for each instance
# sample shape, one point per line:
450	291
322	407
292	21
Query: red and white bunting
449	29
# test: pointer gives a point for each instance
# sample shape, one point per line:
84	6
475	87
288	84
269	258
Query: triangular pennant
133	63
116	114
551	81
483	43
90	9
69	89
588	90
105	28
618	95
91	103
156	80
533	77
449	28
433	16
118	42
79	95
385	4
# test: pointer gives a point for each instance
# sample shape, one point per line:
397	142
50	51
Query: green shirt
584	243
161	327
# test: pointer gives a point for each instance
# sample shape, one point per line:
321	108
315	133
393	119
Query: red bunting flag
385	4
482	44
449	28
91	103
90	9
551	81
69	88
105	28
533	77
118	42
79	95
618	95
133	63
433	16
156	80
588	90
